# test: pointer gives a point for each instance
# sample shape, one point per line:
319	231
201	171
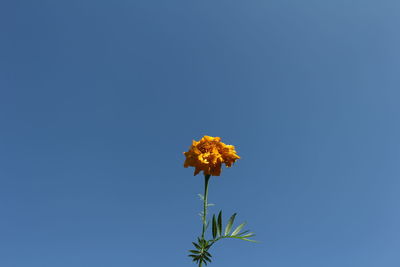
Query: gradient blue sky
98	100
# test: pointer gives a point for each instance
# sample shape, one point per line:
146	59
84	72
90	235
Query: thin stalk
205	204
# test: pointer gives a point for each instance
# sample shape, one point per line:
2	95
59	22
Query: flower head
208	154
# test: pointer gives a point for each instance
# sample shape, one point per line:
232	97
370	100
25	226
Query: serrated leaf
237	230
219	229
214	227
229	225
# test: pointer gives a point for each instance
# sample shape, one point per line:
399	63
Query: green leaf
237	230
207	258
229	225
197	246
243	233
248	235
219	229
214	227
201	197
201	241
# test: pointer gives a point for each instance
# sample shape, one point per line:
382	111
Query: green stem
206	180
205	204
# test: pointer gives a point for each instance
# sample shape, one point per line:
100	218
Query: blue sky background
98	100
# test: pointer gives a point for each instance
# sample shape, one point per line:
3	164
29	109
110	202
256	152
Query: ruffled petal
208	155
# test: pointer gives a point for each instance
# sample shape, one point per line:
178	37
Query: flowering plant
208	155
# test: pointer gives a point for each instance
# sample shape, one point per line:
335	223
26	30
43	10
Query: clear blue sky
98	100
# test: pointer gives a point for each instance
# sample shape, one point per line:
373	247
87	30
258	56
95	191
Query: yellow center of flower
208	154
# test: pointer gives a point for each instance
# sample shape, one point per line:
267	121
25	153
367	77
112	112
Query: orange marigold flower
208	154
